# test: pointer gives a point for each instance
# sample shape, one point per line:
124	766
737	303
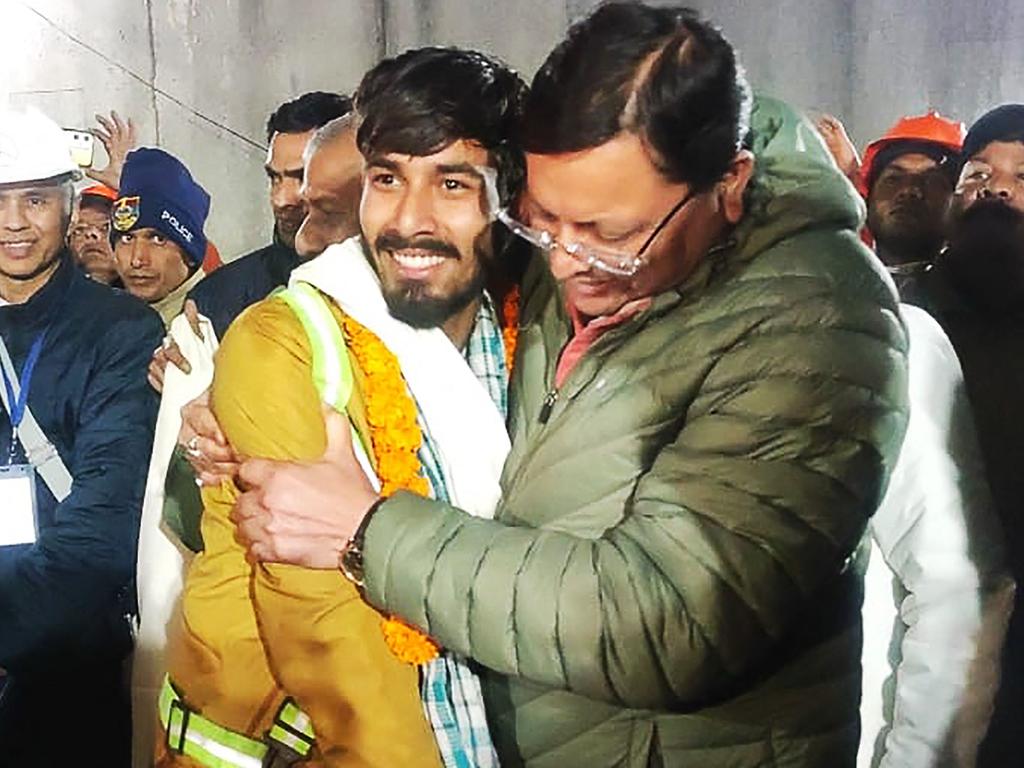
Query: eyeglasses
608	260
80	231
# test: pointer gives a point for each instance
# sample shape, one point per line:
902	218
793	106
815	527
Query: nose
139	254
564	265
286	194
415	213
12	217
1000	185
913	189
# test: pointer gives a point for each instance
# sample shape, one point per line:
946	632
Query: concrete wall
218	67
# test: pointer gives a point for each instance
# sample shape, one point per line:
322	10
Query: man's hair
421	101
308	112
663	74
96	202
67	188
327	133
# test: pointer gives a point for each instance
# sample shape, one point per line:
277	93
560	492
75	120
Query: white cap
33	148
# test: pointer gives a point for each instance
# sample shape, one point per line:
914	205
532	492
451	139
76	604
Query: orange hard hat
930	128
100	190
212	260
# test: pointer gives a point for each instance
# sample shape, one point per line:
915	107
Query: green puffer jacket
671	578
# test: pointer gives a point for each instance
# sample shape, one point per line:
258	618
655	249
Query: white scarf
467	428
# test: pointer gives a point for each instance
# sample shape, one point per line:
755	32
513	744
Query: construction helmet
923	130
33	148
101	191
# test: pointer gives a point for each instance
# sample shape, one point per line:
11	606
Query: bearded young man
707	400
395	330
980	304
937	592
89	236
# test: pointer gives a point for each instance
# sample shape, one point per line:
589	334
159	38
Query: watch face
351	563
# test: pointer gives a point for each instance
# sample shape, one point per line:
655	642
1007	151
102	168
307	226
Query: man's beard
285	232
985	257
914	236
410	301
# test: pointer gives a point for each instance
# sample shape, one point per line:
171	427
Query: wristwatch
350	561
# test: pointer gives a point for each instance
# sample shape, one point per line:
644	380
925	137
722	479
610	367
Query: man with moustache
980	304
936	589
249	278
707	400
75	416
89	237
221	296
401	315
908	177
157	222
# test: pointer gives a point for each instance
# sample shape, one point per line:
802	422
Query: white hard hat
33	148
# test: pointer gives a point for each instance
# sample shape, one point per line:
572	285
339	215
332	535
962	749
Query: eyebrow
379	161
894	168
540	208
294	172
458	168
44	189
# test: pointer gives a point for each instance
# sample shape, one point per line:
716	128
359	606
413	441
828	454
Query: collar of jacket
796	185
170	306
284	257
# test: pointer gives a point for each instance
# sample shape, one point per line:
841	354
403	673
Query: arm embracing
754	508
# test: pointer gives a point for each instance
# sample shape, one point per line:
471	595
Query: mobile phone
83	146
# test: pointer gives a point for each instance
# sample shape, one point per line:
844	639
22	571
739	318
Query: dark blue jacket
66	596
222	295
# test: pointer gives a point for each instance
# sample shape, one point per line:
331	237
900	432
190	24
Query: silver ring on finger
192	447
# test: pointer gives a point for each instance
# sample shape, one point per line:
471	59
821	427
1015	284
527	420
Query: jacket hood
796	184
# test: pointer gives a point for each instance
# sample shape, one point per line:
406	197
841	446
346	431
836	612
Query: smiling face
150	265
426	223
33	222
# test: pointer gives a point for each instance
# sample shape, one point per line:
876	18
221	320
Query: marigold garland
395	437
510	325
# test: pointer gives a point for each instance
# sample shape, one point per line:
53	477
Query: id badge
18	521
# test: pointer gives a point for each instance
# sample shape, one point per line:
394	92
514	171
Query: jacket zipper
549	403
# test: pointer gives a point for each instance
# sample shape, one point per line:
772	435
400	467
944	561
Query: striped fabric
450	691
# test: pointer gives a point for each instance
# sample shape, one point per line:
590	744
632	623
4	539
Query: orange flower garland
395	437
510	325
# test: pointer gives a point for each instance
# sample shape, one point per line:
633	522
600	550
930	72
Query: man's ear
734	184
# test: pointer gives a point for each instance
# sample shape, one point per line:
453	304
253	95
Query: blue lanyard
20	403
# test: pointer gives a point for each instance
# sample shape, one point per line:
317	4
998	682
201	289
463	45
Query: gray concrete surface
217	67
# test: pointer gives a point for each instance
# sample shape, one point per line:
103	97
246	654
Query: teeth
417	262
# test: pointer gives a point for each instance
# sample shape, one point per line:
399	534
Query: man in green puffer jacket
707	401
